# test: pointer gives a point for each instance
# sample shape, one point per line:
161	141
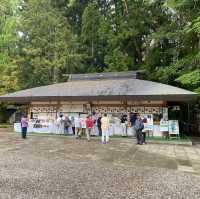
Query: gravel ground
36	168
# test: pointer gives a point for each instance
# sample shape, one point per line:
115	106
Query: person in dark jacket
73	125
99	125
67	124
144	132
139	125
124	123
132	119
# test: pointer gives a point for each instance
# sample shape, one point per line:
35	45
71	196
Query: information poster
164	125
148	122
173	127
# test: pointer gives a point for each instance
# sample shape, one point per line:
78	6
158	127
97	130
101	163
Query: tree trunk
139	52
126	6
198	41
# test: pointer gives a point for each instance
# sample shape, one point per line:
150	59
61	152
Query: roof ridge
105	75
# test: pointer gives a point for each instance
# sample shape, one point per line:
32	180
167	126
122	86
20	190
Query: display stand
174	129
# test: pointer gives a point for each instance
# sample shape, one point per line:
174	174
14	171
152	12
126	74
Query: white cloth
83	123
59	126
52	127
95	130
131	131
124	129
111	130
77	122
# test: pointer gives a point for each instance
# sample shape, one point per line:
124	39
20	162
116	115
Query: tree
8	45
74	14
42	40
175	46
47	46
117	61
91	39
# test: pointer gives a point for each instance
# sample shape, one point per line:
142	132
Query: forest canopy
42	41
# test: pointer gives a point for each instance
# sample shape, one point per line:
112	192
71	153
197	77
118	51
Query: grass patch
48	134
5	125
182	138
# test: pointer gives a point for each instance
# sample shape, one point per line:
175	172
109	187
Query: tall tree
178	40
8	45
90	37
47	46
42	40
130	26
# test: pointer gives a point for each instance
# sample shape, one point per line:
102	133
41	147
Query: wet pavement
63	167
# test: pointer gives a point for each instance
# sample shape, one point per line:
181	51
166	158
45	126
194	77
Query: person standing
73	125
24	126
60	125
132	122
89	126
77	124
105	129
99	125
139	126
83	126
144	130
67	124
124	125
94	128
132	119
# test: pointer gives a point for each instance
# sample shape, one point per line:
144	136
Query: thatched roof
112	89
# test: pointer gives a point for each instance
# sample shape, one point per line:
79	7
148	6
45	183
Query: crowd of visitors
87	126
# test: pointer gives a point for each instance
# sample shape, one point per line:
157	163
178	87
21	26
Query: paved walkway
62	167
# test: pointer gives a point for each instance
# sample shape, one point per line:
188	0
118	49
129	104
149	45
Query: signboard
109	109
164	125
43	109
71	108
148	122
123	109
173	127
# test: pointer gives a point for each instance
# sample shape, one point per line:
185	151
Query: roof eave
177	97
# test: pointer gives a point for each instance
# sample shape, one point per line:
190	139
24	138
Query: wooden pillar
188	117
126	106
90	107
28	111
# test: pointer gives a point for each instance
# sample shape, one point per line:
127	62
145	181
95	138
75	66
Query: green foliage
8	45
173	56
47	46
42	41
196	25
89	34
191	78
117	61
